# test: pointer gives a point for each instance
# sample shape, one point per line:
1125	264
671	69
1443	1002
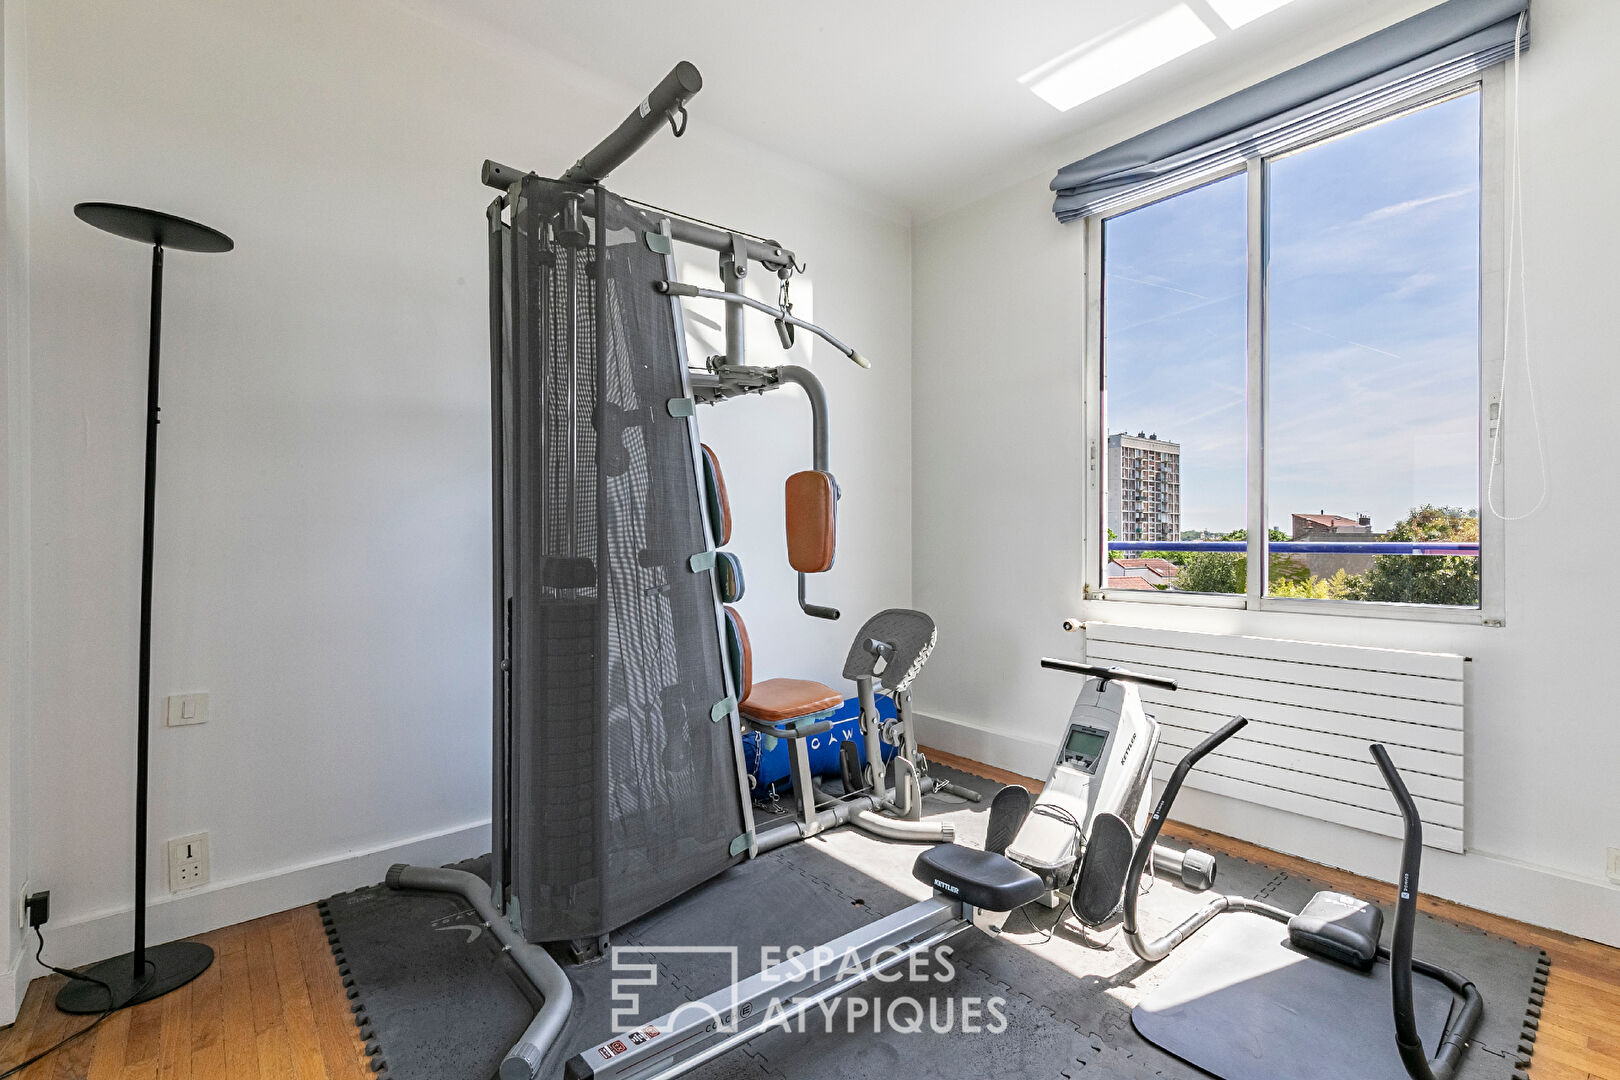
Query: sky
1373	298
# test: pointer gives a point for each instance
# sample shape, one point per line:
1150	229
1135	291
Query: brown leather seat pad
812	514
775	700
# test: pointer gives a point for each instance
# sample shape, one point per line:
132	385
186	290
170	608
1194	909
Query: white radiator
1313	709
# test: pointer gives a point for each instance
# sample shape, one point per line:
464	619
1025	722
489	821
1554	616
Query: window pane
1373	309
1175	358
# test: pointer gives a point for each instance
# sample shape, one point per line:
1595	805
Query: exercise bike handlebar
1153	951
1464	1017
1452	1043
1107	673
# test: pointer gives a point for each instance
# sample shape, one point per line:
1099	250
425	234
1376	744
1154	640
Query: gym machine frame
726	377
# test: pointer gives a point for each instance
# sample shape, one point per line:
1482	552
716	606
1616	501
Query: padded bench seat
980	878
776	700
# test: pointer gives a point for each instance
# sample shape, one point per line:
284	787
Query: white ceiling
918	102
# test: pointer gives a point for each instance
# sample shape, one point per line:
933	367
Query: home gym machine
1079	835
621	675
1255	1005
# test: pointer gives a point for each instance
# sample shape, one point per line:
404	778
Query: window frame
1490	85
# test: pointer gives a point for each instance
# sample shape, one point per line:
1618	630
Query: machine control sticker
614	1047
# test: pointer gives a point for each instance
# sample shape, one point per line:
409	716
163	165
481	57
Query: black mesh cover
614	789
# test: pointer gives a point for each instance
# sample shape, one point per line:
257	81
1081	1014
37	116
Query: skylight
1235	13
1101	65
1117	57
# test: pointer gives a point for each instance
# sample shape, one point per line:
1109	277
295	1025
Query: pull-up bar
667	101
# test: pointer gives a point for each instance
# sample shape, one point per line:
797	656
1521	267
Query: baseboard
13	982
1026	757
85	939
1503	886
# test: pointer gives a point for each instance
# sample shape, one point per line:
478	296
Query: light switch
184	709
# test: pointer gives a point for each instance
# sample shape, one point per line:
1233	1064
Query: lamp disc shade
152	227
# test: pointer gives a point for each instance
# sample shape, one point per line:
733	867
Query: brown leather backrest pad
812	521
744	676
719	501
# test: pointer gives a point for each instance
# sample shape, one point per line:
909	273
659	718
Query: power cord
1046	932
112	1007
1056	813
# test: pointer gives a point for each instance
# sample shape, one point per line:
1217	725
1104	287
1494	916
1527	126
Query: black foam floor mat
436	1000
1247	1005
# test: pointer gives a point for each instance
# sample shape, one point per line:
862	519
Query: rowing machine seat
980	878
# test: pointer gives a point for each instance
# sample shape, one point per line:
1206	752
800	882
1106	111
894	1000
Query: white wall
14	503
323	551
999	449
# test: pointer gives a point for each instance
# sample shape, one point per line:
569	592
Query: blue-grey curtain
1424	52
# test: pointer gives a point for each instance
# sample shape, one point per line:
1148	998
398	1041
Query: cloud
1374	333
1397	209
1414	284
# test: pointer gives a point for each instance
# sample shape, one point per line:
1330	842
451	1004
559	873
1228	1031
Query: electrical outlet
180	710
37	908
188	862
22	908
1614	865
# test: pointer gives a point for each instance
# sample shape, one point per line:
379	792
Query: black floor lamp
144	973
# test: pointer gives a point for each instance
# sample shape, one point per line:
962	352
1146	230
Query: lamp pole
144	973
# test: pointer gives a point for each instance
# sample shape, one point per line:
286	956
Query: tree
1178	558
1214	571
1341	586
1227	571
1426	579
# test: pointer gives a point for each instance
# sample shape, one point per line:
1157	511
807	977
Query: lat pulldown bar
677	288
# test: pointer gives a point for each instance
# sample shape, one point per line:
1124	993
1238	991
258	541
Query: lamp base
171	966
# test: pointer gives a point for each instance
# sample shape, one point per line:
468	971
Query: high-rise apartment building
1144	487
